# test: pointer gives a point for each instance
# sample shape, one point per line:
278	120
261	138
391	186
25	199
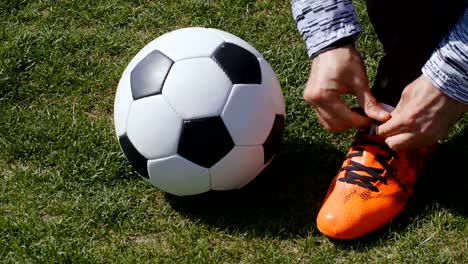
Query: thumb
371	107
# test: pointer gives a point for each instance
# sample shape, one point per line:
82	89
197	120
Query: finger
402	141
370	105
356	120
338	116
407	141
392	127
320	119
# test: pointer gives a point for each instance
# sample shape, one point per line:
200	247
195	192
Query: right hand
334	73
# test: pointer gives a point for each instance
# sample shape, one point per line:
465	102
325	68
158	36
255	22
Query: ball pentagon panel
273	141
239	64
149	75
204	141
230	38
138	161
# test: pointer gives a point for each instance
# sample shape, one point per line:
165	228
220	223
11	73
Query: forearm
324	22
448	66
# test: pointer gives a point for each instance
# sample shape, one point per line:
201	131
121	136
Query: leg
409	32
374	182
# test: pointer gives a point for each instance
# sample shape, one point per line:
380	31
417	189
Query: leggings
409	31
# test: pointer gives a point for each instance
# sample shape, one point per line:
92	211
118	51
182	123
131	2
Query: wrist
338	58
346	42
456	106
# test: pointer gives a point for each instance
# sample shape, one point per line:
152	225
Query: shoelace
352	177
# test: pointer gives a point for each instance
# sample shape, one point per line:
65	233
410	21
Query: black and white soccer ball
199	109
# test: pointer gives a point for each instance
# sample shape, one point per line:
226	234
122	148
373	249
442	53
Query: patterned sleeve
448	66
324	22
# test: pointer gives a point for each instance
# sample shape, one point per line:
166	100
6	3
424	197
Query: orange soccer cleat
371	188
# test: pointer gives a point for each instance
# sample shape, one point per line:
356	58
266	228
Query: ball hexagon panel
123	101
271	82
178	176
273	142
148	76
249	114
138	162
153	127
197	88
181	44
239	64
188	43
228	37
204	141
237	168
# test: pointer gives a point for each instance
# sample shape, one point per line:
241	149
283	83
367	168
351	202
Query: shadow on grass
281	202
284	200
445	180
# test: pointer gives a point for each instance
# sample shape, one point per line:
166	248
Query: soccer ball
199	109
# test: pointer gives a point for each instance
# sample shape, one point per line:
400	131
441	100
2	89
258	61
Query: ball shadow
282	201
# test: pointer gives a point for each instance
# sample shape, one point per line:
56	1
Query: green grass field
67	193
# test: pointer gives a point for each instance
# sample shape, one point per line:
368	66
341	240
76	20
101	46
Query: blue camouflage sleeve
324	22
447	67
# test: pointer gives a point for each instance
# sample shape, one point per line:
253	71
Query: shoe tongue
372	128
368	131
368	157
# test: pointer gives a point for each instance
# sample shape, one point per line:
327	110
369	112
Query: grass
67	194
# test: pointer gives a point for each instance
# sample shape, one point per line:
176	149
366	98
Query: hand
423	115
334	73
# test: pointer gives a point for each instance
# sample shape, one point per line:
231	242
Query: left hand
423	115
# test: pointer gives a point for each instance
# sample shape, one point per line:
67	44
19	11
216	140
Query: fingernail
384	116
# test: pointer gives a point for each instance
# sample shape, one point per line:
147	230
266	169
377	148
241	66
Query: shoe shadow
282	201
445	180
